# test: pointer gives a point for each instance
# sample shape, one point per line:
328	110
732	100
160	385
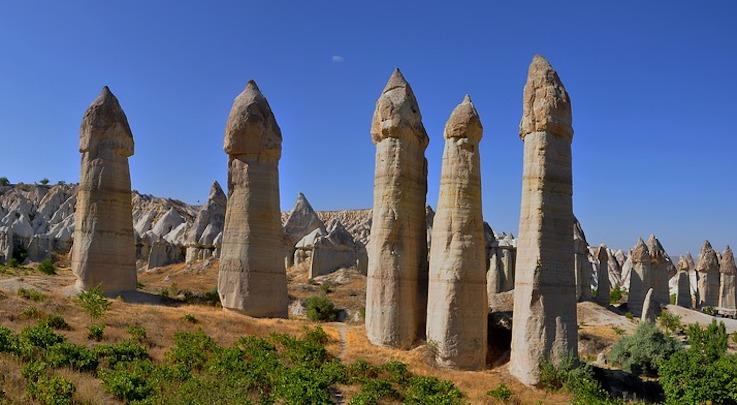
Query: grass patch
31	294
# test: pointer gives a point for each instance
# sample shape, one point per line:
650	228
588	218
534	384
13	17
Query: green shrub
373	391
32	313
137	332
47	267
121	353
616	295
44	181
644	350
703	373
501	392
431	390
96	332
397	372
192	349
189	318
93	302
361	371
33	340
8	340
629	316
670	322
56	321
67	354
672	299
578	379
45	388
31	294
12	262
126	384
709	311
4	181
320	308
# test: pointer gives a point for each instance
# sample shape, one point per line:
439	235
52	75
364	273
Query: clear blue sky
653	87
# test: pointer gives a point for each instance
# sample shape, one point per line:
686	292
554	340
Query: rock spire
252	277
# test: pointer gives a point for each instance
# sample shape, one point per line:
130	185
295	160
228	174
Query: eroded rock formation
683	284
708	271
659	271
396	289
104	252
545	320
640	277
728	281
457	309
602	276
252	277
207	226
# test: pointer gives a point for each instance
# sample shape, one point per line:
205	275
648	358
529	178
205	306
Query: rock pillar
659	267
727	287
544	320
602	276
640	277
683	284
252	277
708	271
104	251
457	309
396	285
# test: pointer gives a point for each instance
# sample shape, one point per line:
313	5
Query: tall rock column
728	281
457	309
396	285
104	251
252	277
602	276
581	263
640	277
683	284
708	272
659	266
544	321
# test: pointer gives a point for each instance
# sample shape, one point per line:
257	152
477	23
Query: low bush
501	393
616	295
703	373
431	390
32	313
121	353
137	333
642	352
93	302
127	384
31	294
34	340
320	308
192	349
670	322
96	332
189	318
67	354
46	388
56	321
578	379
47	267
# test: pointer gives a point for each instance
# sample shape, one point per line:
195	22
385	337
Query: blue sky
652	84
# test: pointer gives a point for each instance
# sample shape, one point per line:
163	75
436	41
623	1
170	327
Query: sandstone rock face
252	277
683	284
302	220
659	267
104	252
581	263
396	285
545	320
602	276
728	283
708	269
640	277
335	251
457	309
615	271
6	244
650	307
207	226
